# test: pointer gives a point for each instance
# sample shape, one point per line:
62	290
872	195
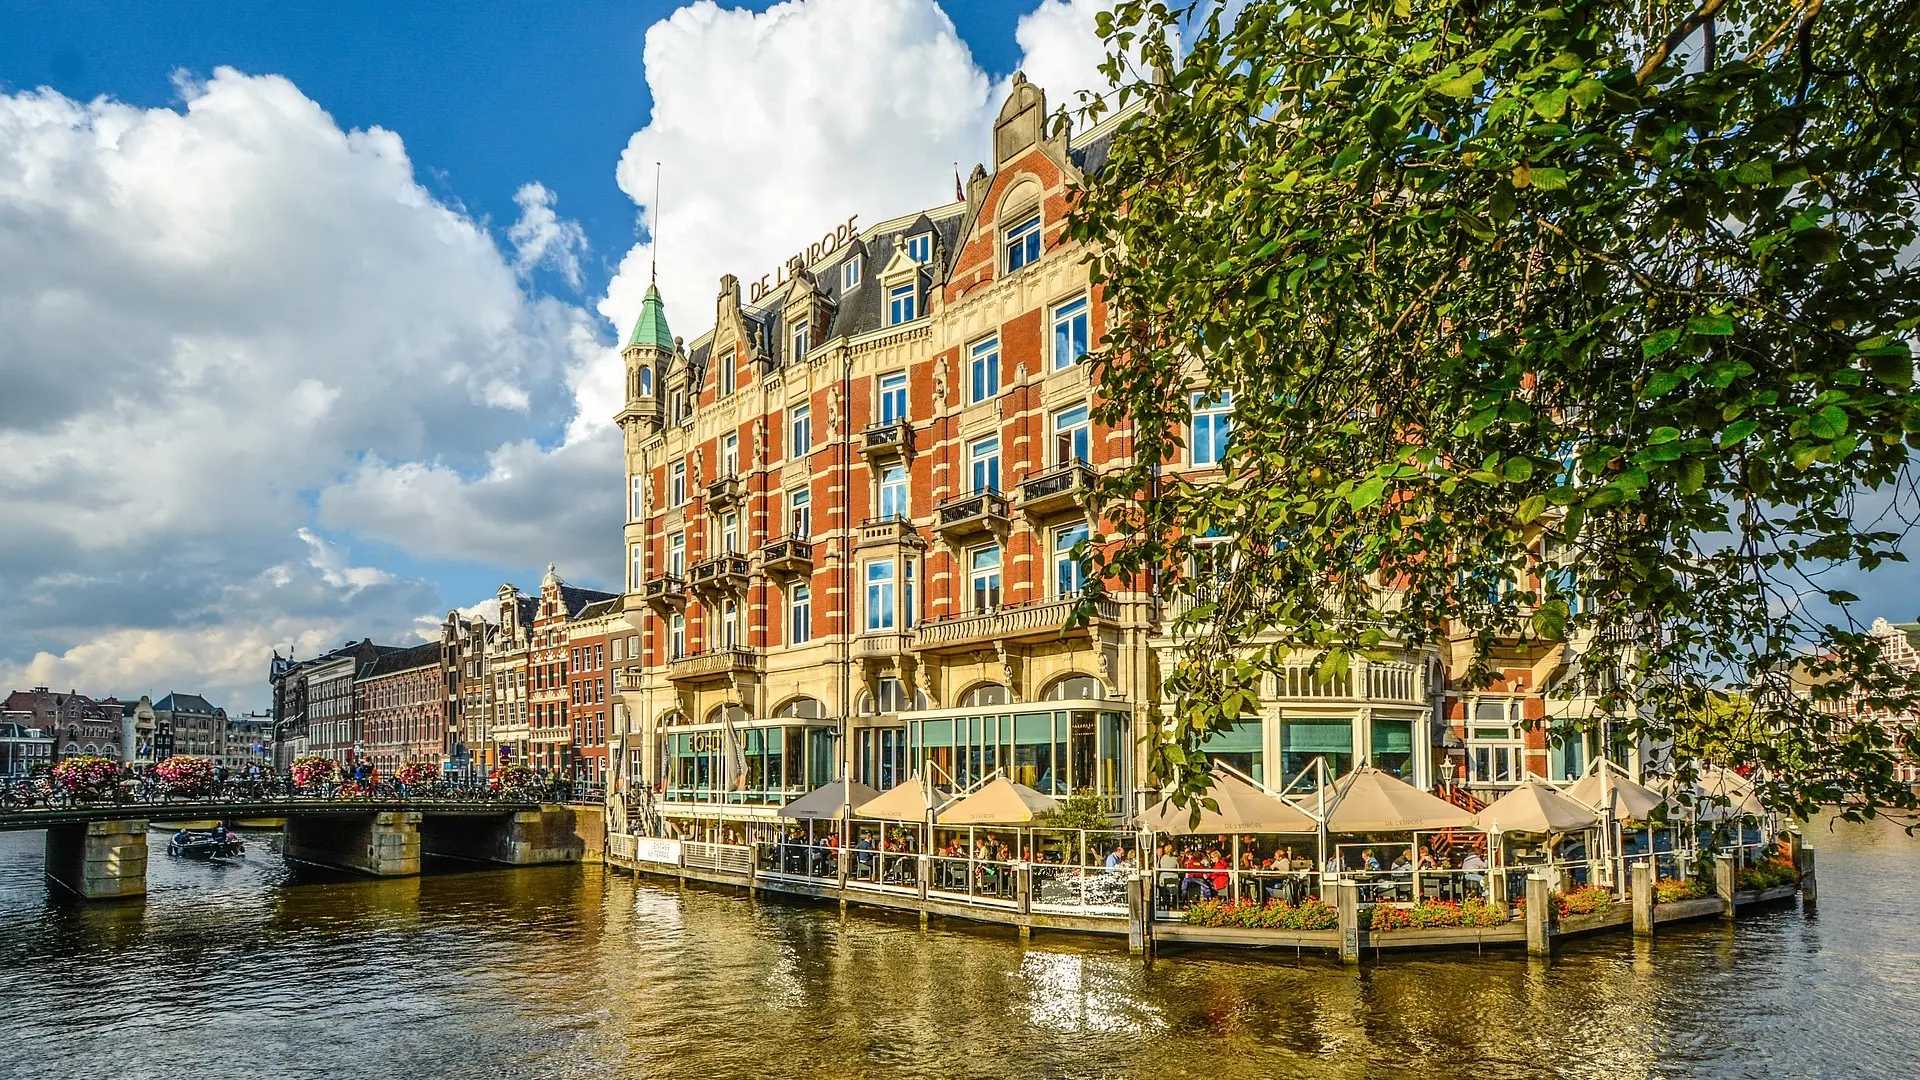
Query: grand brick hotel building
854	504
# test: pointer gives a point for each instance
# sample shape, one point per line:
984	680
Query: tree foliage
1582	328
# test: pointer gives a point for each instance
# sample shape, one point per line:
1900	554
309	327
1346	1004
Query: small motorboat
206	845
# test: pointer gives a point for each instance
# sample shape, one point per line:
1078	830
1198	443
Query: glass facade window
893	397
983	577
1058	752
1212	427
1071	336
800	513
1069	569
1023	243
1243	748
880	757
1306	738
900	303
1392	749
800	431
1072	436
983	368
880	614
737	763
984	458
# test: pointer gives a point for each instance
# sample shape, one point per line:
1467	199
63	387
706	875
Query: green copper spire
651	329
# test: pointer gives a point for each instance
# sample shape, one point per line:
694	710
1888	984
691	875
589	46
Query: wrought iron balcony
1033	621
726	491
887	437
967	515
667	590
726	573
714	665
1061	488
788	555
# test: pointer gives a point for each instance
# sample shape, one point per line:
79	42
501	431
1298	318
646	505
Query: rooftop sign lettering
800	260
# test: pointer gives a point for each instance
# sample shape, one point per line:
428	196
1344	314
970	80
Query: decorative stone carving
759	442
939	384
1009	673
834	406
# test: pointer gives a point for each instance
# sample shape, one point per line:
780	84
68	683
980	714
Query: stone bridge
99	852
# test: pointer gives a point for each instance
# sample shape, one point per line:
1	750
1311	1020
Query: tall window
920	248
799	613
730	455
984	457
983	577
638	506
1069	571
1212	426
636	565
850	273
676	635
677	484
1495	752
900	305
800	514
801	340
729	370
1072	436
1023	243
1070	333
910	600
894	502
984	367
880	594
677	554
800	431
730	624
730	532
893	397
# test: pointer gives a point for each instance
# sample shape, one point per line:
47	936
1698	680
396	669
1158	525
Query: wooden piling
1539	916
1640	882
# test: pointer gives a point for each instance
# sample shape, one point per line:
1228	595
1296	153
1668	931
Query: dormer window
1023	243
920	248
901	303
850	273
802	340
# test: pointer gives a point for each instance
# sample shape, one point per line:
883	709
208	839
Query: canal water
254	969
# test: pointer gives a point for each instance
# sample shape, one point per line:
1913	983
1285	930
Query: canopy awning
1533	807
1000	802
914	799
1723	795
1627	799
829	801
1369	800
1243	808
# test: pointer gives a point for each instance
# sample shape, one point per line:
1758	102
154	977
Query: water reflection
258	969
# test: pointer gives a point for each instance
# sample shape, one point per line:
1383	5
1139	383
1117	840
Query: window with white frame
850	273
893	397
676	635
730	624
910	598
920	248
799	613
984	460
1069	568
730	455
1071	333
800	431
800	513
894	496
901	307
1072	436
801	338
677	484
730	533
729	371
983	367
677	554
879	577
1023	243
983	577
636	566
1212	560
1496	753
1212	427
637	508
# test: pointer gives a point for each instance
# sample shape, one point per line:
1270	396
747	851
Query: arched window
802	708
92	749
72	748
1074	688
645	382
721	714
988	693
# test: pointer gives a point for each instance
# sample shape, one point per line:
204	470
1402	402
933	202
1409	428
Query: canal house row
853	510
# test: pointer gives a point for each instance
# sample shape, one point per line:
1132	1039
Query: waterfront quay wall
1536	928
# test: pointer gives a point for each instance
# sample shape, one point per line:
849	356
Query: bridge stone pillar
383	843
99	860
547	835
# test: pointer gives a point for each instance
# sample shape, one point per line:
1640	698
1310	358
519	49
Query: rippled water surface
255	970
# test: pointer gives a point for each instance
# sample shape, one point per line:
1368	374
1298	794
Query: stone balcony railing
1032	621
887	437
1059	489
881	645
666	590
726	491
972	514
721	574
713	665
788	555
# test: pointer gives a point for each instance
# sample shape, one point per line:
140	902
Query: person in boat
182	838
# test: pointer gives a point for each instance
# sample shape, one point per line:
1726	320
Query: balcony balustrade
1057	490
882	645
889	530
728	490
1034	621
728	573
714	665
973	514
667	590
887	438
788	555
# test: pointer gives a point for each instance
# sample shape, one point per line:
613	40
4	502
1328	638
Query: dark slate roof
402	659
600	607
864	307
1091	156
577	599
187	703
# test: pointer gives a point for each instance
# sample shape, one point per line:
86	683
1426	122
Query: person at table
1475	864
1427	861
1220	867
1335	865
1368	861
1403	861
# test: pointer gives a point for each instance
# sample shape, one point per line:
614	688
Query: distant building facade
77	723
401	703
23	747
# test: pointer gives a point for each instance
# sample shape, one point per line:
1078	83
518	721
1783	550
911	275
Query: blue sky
309	320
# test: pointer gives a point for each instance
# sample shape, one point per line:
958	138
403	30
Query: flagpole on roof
653	246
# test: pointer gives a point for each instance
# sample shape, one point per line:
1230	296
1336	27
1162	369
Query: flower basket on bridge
513	780
313	772
187	777
414	773
87	777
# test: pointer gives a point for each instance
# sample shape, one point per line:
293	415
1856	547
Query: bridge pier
384	843
99	860
554	833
